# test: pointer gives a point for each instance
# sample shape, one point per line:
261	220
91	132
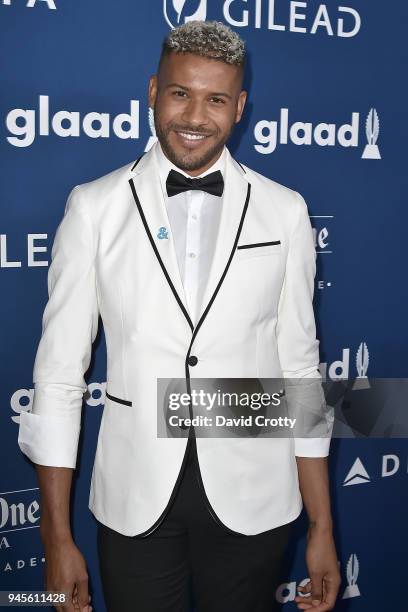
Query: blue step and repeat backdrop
326	116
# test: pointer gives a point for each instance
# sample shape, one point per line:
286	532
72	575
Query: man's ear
152	90
240	105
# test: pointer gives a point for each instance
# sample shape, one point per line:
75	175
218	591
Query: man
199	267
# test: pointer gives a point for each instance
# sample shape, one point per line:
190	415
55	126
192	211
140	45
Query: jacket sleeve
296	337
49	434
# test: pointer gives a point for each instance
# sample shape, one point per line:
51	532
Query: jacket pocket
258	244
255	249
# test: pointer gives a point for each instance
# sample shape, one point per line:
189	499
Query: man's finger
83	595
323	607
305	603
305	598
75	597
68	605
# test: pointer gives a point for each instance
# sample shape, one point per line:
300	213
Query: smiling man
199	267
186	84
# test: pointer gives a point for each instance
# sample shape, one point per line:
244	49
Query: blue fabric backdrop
309	64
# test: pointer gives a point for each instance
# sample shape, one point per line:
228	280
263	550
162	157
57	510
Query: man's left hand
322	565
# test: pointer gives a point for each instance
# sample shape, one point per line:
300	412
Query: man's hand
65	572
322	565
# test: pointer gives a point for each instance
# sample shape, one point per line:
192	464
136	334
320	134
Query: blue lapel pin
163	233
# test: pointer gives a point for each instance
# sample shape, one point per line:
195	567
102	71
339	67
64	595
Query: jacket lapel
146	190
145	185
234	206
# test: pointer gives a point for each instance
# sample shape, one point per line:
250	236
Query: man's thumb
316	594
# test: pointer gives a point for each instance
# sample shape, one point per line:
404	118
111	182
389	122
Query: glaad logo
287	591
339	370
22	399
269	134
175	15
352	568
21	123
358	474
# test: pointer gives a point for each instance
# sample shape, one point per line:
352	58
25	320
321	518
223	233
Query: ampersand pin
163	234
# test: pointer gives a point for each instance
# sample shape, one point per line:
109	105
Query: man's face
196	101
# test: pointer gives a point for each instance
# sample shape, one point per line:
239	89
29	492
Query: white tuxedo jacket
256	321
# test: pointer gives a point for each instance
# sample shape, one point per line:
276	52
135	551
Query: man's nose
194	113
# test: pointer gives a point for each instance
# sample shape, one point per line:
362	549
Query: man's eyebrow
214	93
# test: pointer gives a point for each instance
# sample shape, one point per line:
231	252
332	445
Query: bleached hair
207	38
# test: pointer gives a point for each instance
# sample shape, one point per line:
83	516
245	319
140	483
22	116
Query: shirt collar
165	165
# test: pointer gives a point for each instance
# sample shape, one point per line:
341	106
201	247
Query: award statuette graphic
352	589
153	137
362	361
371	150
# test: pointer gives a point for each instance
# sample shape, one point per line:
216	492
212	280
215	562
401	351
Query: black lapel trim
118	399
210	303
163	267
163	515
137	161
240	165
191	436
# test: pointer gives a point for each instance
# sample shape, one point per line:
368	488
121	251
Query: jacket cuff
312	447
49	440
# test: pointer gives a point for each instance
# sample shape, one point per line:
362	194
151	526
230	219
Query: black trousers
190	556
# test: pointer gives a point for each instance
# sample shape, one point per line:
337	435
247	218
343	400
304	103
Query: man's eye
179	91
217	100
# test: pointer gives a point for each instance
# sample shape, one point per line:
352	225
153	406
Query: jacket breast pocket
258	249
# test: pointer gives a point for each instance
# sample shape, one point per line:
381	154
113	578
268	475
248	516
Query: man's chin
189	159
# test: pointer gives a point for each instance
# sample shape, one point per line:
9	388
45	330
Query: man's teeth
192	136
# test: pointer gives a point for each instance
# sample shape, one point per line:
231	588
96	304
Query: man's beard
190	160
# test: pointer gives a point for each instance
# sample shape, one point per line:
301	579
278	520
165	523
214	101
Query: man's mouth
191	136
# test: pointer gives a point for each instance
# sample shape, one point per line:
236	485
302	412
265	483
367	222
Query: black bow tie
211	183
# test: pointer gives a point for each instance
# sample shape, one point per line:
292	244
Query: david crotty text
222	421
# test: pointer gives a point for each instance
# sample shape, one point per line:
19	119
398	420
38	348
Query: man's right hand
66	572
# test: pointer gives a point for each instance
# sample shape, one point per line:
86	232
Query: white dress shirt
194	220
